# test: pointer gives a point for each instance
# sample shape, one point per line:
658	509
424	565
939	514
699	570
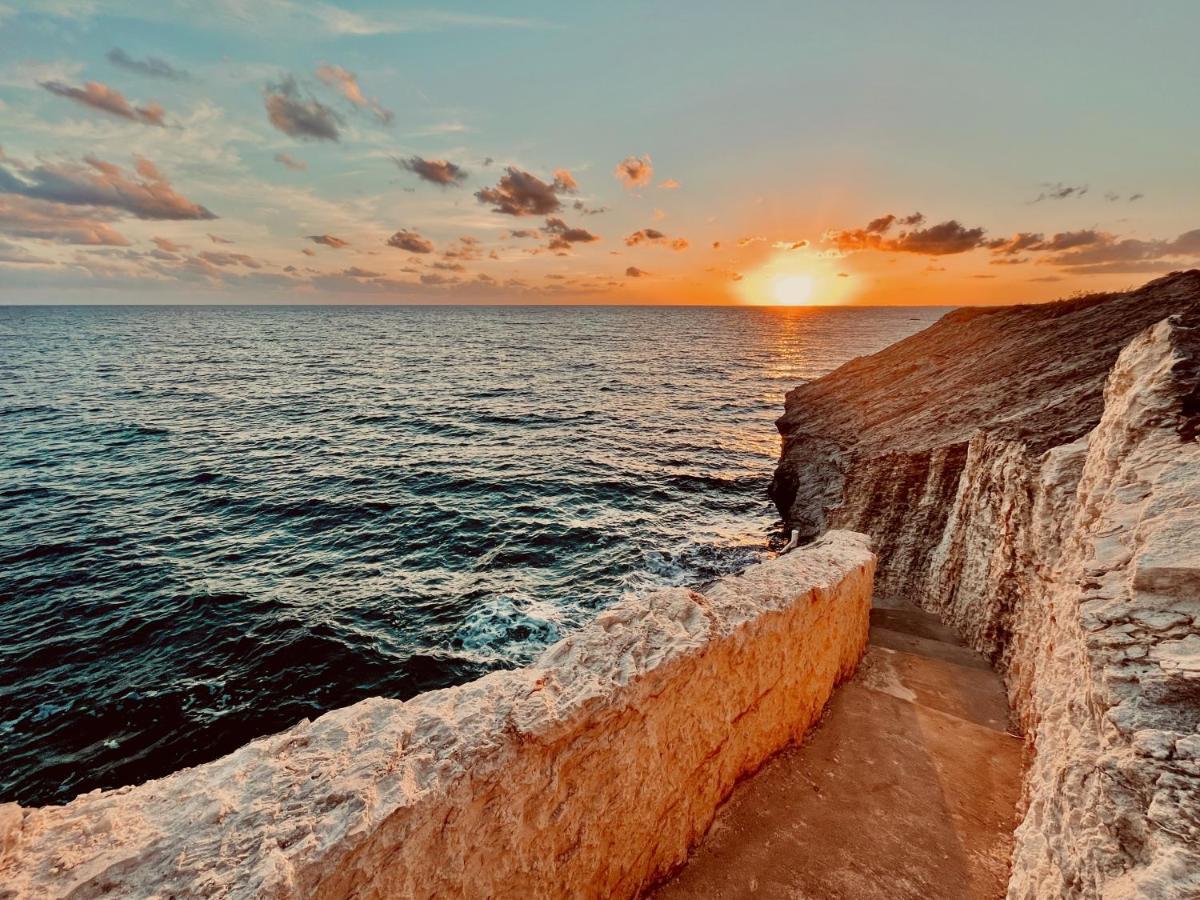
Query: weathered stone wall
587	774
1076	568
1079	570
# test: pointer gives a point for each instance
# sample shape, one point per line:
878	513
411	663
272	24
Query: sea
217	521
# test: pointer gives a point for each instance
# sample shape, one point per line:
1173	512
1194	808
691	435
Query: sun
792	290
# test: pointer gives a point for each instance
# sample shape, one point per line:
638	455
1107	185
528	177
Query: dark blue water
217	521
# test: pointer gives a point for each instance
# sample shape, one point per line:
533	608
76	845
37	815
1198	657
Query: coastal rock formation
1033	475
587	774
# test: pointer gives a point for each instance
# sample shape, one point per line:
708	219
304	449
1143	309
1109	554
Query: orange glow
792	290
797	278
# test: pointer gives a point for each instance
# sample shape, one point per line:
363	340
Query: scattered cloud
410	241
1107	253
146	194
790	245
562	236
217	239
298	114
635	272
1060	191
519	193
634	172
435	171
223	259
151	66
95	95
286	159
669	185
167	245
942	239
59	222
346	83
645	236
582	207
328	240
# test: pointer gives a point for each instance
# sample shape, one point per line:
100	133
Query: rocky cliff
587	774
1033	474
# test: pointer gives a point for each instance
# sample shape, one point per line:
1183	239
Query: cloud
46	221
942	239
654	236
223	259
645	236
150	66
435	171
790	245
168	245
147	195
410	241
634	172
15	254
308	251
1019	242
669	185
519	193
217	239
328	240
1060	191
106	99
299	115
356	272
346	83
525	233
286	159
750	239
635	272
562	236
582	207
1107	253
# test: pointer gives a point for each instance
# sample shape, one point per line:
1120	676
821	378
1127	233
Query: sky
873	153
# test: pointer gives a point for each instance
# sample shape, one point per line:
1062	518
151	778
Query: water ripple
217	521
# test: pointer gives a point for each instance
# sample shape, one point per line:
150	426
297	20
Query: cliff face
1033	475
879	444
587	774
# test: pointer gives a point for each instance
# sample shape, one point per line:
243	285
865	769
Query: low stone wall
587	774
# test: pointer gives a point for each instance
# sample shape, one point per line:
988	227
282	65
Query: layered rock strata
587	774
1033	475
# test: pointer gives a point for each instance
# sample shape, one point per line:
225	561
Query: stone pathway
907	789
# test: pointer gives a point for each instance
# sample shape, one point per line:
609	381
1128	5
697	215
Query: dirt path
907	789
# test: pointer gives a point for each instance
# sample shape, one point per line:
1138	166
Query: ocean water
217	521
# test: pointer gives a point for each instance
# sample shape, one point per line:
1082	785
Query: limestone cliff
1033	475
587	774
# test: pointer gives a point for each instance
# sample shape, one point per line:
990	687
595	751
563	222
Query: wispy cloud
151	66
346	84
146	194
95	95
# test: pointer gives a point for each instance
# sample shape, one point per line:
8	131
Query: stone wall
1074	565
587	774
1079	571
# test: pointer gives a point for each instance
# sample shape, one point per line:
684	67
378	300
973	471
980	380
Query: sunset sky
872	153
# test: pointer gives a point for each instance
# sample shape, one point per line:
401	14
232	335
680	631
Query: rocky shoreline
1032	474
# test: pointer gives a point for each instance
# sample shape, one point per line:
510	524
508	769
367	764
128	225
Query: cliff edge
1032	474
